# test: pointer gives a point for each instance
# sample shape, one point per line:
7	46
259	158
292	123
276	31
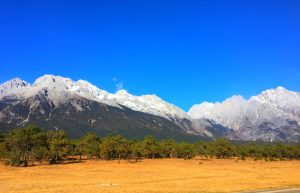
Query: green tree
203	149
149	147
122	147
3	152
185	150
115	147
107	148
168	148
267	152
136	150
58	144
40	151
21	144
223	148
89	145
281	151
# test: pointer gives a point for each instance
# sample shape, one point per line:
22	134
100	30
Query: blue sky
184	51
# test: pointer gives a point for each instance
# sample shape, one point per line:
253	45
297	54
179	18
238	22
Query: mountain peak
275	94
276	90
49	79
15	83
280	98
280	88
235	99
12	85
122	92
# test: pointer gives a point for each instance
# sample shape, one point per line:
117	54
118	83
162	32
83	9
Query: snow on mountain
80	87
283	99
280	98
13	87
228	113
276	106
59	89
148	104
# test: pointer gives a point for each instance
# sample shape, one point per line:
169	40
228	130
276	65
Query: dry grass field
161	176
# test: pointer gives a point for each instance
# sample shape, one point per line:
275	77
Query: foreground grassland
159	175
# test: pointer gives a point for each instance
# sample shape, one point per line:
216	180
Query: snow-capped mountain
59	89
78	106
271	115
49	93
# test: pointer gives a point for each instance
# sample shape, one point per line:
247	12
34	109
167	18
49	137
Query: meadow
151	175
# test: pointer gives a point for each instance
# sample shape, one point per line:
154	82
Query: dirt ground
161	176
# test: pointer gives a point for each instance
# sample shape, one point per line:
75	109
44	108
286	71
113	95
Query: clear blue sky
184	51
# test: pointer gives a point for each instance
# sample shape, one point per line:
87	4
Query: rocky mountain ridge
56	102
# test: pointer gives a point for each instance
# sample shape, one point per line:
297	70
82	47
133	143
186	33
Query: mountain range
55	102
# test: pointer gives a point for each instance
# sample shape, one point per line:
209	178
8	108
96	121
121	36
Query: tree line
24	146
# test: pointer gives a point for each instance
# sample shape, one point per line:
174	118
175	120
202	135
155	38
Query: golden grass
161	176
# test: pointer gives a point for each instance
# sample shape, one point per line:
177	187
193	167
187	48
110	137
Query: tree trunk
119	158
25	162
55	158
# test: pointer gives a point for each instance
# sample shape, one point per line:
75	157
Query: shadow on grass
69	162
60	162
65	161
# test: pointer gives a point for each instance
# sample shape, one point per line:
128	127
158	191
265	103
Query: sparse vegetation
24	146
